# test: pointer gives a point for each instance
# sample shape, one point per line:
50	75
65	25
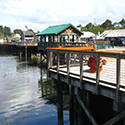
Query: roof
16	36
28	32
87	34
112	33
54	30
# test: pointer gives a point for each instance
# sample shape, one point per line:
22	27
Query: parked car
118	41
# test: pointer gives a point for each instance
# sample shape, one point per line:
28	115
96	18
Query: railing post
97	72
117	78
81	70
68	66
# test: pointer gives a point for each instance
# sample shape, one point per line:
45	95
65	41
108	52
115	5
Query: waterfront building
27	36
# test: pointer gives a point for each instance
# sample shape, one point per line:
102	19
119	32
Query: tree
79	25
1	32
99	29
122	22
31	30
18	31
83	29
7	31
107	24
89	25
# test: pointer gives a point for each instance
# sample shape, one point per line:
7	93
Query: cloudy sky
39	14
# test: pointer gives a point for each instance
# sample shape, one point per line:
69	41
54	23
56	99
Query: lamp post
95	29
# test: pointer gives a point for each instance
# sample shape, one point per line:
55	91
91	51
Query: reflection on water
26	94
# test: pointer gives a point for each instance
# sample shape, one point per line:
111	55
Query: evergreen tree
107	24
18	31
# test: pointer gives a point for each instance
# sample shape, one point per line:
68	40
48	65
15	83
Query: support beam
71	104
75	110
60	102
97	72
78	39
58	63
86	111
81	70
49	61
68	66
69	38
81	116
58	38
117	78
116	118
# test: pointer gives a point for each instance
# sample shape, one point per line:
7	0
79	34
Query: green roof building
59	34
58	29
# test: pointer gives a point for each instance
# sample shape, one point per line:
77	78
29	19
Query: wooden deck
106	75
110	82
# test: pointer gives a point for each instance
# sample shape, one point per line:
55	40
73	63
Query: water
26	94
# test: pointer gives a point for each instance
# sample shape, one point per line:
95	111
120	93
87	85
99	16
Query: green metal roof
54	30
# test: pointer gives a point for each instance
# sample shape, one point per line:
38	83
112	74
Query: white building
112	33
86	36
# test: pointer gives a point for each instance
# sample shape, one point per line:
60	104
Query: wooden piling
60	102
71	104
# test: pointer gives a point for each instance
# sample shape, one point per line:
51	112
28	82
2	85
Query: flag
26	27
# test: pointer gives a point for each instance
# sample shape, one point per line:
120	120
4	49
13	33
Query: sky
40	14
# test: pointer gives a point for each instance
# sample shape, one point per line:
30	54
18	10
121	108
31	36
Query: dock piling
60	102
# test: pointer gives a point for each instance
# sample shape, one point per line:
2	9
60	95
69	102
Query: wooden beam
58	38
116	118
49	61
78	39
117	78
68	38
86	111
67	34
81	70
71	104
97	72
60	102
53	38
58	63
68	66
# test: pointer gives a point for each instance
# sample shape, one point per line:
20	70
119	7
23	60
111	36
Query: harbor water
26	94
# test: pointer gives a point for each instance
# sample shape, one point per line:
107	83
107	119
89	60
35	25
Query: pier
21	48
98	97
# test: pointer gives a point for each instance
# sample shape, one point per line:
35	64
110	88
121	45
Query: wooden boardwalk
110	82
107	74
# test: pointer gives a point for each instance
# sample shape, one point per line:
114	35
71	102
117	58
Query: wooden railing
99	45
113	75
